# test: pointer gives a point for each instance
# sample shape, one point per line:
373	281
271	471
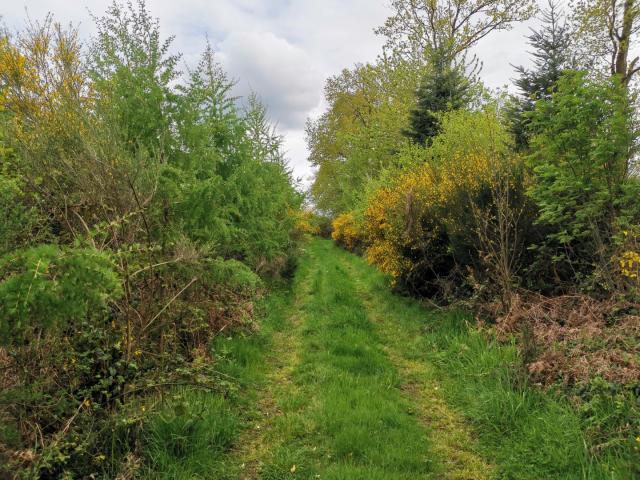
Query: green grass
343	416
192	433
187	436
526	432
346	381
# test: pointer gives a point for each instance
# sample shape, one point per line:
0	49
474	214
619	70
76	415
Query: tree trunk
621	66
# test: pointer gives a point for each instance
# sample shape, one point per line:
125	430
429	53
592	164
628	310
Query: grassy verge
192	434
527	433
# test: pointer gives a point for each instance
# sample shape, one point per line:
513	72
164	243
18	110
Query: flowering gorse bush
346	231
626	262
409	224
630	264
418	226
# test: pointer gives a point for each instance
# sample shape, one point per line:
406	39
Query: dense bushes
345	231
469	219
422	226
47	287
21	222
468	210
583	143
143	216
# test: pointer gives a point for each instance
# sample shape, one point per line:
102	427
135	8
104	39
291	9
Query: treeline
142	212
524	206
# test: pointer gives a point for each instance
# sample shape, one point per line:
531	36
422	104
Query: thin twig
193	280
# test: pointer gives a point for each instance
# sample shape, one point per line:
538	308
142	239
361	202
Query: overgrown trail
346	396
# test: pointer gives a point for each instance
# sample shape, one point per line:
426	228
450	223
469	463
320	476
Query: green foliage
551	57
361	132
465	133
21	223
265	141
443	88
131	70
143	213
184	437
225	189
581	151
52	287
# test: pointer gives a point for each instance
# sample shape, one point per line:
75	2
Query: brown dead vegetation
574	338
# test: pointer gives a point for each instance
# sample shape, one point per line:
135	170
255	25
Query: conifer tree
444	88
552	50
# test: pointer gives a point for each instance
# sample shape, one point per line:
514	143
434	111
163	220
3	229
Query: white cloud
281	73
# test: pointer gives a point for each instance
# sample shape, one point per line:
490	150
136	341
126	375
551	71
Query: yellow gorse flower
392	218
345	231
630	264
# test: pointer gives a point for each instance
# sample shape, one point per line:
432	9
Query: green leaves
164	206
48	287
132	69
361	132
581	153
21	222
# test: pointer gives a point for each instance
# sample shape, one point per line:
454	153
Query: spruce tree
551	56
444	88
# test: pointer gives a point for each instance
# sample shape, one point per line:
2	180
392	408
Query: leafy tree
584	138
362	130
418	28
552	55
228	186
132	70
441	34
607	30
211	134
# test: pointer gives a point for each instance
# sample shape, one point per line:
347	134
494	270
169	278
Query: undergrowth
191	433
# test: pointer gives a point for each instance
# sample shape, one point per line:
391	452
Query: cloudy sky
282	49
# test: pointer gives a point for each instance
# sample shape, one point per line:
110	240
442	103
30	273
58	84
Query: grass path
347	381
452	439
342	401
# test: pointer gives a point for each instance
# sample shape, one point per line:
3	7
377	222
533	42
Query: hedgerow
145	213
523	208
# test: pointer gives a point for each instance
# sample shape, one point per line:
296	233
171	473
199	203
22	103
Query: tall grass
192	432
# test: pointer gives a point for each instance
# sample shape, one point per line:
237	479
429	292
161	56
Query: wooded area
165	313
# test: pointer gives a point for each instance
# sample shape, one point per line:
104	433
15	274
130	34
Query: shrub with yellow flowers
306	223
628	260
418	226
410	225
630	264
346	231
